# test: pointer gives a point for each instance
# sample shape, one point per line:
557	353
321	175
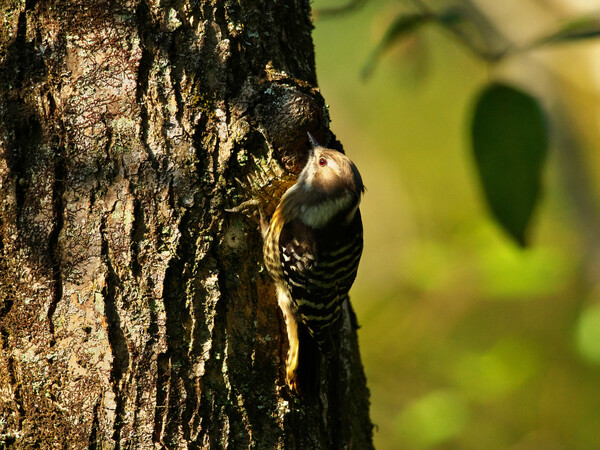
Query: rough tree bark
134	310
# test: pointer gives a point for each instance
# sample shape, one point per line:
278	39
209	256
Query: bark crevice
58	189
138	230
116	336
94	428
178	326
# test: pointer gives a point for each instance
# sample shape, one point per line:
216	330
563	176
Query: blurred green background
468	341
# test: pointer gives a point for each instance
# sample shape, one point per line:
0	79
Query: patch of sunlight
495	373
509	272
433	419
429	265
588	334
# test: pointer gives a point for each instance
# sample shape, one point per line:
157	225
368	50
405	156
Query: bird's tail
309	364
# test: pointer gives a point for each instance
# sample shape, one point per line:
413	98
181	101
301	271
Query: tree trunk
135	311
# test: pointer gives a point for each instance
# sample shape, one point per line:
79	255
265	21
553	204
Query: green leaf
510	144
403	25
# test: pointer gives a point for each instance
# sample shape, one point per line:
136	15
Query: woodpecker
312	249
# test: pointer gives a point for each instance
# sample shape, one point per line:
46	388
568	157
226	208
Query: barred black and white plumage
319	267
313	247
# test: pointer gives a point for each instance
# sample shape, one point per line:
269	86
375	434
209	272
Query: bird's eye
322	162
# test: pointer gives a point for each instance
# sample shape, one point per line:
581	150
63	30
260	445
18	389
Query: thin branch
327	13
